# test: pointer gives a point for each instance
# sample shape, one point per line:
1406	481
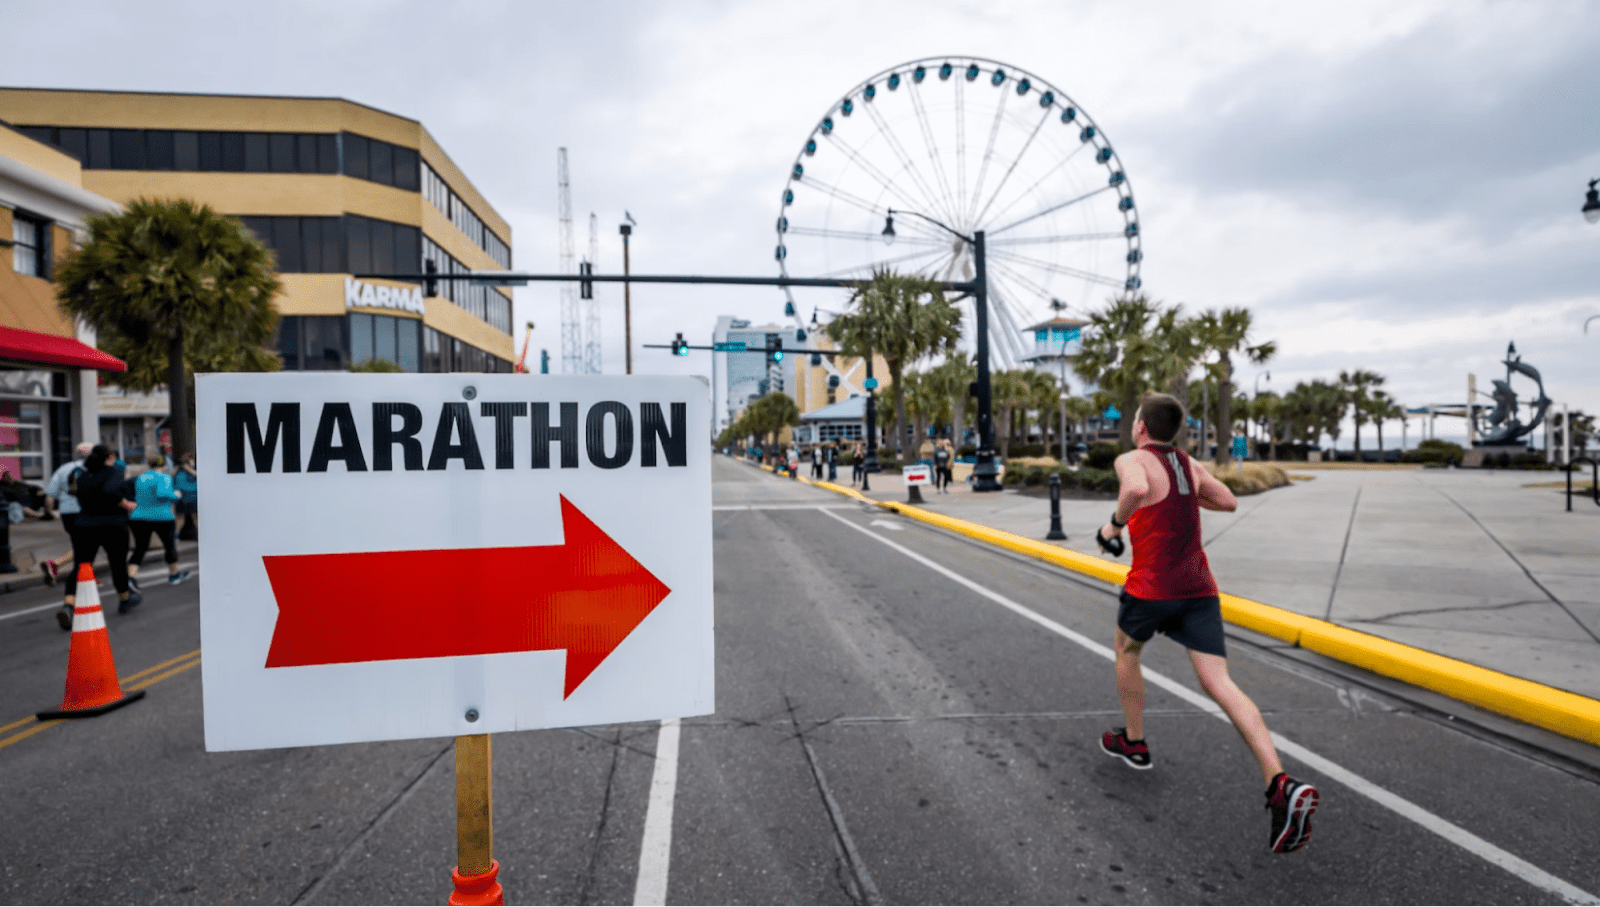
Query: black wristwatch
1115	523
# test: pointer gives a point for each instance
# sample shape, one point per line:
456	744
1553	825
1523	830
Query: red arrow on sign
585	595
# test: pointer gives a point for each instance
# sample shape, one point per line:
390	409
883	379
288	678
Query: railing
1594	482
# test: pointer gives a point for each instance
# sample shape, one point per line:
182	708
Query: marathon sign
402	556
360	294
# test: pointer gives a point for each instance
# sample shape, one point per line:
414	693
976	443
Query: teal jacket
153	494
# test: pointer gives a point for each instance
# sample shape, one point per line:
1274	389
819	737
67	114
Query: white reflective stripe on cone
85	620
88	594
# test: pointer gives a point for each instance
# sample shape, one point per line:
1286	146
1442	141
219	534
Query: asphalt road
902	716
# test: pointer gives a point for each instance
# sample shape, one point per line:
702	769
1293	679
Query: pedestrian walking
153	496
104	499
187	482
816	462
941	467
833	461
1170	589
59	489
856	467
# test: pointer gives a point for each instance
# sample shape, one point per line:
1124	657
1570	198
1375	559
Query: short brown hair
1162	415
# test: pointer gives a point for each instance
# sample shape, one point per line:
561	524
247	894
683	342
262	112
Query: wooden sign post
476	868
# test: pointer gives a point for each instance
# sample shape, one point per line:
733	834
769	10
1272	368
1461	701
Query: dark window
45	134
99	149
305	153
325	343
233	152
358	232
210	151
407	247
311	244
355	155
286	239
158	149
185	151
407	175
260	226
327	154
333	236
76	143
127	149
281	148
407	344
360	338
383	337
256	153
383	247
381	162
289	342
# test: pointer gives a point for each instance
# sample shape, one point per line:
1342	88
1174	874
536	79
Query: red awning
48	349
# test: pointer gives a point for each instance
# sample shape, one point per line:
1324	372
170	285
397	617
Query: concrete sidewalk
1468	564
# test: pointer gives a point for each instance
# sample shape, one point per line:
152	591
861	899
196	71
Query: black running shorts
1194	623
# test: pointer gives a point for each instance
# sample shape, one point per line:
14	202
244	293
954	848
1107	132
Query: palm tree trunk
178	397
899	409
958	412
1225	415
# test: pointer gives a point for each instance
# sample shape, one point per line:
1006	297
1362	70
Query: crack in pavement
858	885
596	837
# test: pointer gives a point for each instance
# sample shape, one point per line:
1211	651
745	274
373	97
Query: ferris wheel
975	145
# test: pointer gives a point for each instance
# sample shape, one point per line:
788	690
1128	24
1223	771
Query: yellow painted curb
1555	710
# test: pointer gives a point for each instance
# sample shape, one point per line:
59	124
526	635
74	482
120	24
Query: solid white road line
718	507
22	612
1468	841
655	851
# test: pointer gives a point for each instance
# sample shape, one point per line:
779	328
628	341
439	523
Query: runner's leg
1212	670
1130	684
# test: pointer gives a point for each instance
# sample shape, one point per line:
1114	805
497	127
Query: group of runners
102	510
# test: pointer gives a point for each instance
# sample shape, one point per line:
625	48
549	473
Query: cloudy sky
1390	186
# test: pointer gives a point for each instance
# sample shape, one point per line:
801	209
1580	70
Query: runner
941	467
1170	589
67	506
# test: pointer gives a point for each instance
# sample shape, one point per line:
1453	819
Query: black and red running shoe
1133	752
1292	803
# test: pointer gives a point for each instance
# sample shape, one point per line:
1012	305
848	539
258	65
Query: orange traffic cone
92	687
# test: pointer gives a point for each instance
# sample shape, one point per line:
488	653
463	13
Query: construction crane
571	326
591	306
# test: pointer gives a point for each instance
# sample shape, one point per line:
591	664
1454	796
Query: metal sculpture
1501	424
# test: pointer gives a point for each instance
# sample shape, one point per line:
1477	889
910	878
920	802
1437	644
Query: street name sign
728	346
398	556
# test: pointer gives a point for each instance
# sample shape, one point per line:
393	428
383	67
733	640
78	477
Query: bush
1026	449
1101	456
1433	451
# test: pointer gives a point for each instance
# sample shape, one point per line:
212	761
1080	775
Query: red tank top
1168	562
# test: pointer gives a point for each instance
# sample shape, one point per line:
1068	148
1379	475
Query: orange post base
478	889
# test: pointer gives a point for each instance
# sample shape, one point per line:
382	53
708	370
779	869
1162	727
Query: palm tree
1382	408
1044	393
173	288
1355	386
1227	332
1079	409
891	318
927	405
953	378
1120	352
1268	409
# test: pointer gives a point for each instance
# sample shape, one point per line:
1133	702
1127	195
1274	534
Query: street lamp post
870	465
984	473
627	295
1268	376
1591	204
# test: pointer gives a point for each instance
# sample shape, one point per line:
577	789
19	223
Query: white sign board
916	475
398	556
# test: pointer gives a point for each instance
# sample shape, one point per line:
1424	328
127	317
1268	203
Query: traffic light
775	347
585	287
430	286
680	346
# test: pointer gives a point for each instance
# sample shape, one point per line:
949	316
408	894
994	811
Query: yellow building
49	368
336	188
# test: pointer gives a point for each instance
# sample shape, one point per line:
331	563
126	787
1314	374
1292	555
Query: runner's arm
1213	495
1133	485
